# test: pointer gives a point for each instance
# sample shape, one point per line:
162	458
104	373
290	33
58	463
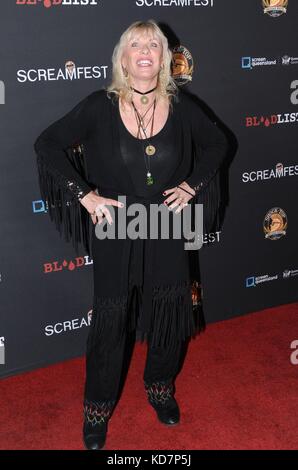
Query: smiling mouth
144	63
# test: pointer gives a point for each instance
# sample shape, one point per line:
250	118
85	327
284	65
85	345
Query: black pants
104	370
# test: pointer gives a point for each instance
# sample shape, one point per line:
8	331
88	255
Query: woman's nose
144	49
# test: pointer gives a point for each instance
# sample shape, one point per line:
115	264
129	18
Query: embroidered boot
96	416
160	397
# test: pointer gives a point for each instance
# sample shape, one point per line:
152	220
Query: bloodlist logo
58	3
56	266
272	120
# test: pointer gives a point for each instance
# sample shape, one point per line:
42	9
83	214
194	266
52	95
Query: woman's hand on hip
96	206
178	196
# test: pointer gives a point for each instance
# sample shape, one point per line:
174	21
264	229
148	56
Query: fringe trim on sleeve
211	199
65	210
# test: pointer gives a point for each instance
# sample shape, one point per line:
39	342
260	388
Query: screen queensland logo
58	3
69	71
248	62
254	281
253	63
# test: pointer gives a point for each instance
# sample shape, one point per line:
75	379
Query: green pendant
149	179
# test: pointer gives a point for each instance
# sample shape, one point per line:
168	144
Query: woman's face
142	56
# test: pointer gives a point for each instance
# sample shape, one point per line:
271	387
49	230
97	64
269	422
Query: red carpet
237	390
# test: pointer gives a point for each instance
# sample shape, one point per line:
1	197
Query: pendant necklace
150	149
144	98
142	118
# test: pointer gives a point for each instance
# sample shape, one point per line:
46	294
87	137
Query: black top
162	164
94	124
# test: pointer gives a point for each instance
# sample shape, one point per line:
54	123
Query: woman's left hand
178	197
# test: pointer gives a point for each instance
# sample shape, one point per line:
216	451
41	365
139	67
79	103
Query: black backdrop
245	69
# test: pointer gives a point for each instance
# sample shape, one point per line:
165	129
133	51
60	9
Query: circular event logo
182	65
275	8
275	223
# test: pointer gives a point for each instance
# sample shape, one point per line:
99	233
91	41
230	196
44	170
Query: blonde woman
140	138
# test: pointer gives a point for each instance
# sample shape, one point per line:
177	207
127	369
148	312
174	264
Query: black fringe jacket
81	152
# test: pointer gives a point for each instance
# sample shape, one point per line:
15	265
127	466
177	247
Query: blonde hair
166	86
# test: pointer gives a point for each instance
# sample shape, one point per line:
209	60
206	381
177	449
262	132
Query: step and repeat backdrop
240	58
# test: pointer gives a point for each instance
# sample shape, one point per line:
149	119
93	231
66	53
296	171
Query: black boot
161	397
96	416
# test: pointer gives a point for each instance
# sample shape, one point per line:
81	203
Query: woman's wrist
88	200
185	186
86	193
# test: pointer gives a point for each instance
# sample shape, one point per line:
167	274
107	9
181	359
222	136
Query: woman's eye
135	44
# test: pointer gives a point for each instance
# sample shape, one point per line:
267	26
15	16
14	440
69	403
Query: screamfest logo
275	8
174	3
279	171
54	3
68	325
69	72
182	65
275	223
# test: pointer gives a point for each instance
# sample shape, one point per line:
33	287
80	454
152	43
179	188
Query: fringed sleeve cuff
63	178
210	146
210	197
61	196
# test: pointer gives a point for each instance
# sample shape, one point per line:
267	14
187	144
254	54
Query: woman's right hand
92	201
